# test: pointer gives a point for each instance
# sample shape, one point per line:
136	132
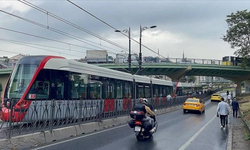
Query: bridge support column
238	88
247	86
177	75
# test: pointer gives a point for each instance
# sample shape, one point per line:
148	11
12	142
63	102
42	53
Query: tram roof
78	67
74	66
161	82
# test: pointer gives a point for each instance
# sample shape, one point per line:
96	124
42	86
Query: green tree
238	34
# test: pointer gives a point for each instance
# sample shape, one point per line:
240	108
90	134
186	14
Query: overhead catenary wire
112	27
42	48
8	51
59	48
52	29
45	38
70	23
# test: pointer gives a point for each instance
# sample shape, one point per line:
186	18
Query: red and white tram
42	87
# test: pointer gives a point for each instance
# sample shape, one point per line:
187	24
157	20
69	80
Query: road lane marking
65	141
195	135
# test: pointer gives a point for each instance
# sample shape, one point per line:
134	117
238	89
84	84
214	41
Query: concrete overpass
176	70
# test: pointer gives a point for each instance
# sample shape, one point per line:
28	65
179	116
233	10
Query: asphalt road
176	131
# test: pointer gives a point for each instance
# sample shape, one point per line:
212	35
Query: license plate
191	104
137	128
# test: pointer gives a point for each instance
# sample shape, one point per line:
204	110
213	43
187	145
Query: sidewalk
239	132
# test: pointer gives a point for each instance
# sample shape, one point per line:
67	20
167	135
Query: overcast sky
192	27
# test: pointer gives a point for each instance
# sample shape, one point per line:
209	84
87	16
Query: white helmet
145	100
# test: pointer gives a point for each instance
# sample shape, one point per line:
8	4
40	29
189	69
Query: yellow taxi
216	97
194	104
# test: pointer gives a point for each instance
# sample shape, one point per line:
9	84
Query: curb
230	138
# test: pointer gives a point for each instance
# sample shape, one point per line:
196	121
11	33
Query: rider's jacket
144	108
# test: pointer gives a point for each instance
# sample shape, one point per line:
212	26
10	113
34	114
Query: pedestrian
222	111
235	107
229	99
169	97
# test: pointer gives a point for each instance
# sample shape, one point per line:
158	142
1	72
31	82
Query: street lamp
140	55
129	43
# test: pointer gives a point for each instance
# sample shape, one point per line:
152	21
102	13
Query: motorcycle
143	127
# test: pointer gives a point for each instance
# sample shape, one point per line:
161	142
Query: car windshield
192	100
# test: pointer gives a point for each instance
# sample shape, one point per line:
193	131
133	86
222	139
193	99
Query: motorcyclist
145	101
142	106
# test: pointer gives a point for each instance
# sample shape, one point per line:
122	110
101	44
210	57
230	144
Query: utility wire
59	48
36	36
70	23
9	51
112	27
42	48
51	29
45	38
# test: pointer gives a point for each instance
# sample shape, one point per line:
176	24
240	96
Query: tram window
41	86
160	90
169	90
140	91
20	80
130	85
105	89
156	91
60	90
95	89
128	90
39	90
111	89
78	87
82	88
147	91
164	91
119	89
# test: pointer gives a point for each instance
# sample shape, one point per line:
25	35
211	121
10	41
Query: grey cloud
195	19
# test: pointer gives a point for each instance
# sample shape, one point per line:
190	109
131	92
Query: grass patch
244	102
245	107
228	89
247	136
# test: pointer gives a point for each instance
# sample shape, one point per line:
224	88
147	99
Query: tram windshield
19	80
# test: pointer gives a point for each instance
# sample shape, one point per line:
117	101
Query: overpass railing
194	61
43	115
179	61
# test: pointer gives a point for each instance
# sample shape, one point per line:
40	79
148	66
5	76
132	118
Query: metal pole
129	55
140	55
10	118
